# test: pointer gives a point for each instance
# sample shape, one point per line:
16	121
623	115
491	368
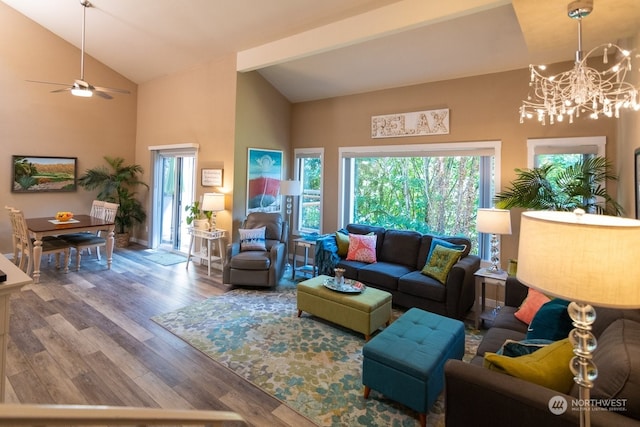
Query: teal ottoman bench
405	362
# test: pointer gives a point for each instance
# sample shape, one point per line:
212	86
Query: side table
305	268
210	236
16	279
484	276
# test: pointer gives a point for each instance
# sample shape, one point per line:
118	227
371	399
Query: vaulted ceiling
311	49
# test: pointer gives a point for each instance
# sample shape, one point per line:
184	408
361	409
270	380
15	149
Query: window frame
298	155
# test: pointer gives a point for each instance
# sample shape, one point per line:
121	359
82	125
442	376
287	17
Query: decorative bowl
64	216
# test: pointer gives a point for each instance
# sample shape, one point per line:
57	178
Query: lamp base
584	343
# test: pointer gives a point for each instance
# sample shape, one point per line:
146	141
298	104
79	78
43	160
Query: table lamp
213	203
587	259
494	221
290	188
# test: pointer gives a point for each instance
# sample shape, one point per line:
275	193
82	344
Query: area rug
165	258
312	366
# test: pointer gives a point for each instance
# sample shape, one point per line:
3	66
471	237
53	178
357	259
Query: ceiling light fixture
582	90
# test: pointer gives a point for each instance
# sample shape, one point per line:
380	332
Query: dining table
47	226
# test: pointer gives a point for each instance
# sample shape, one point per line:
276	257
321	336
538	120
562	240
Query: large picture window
434	188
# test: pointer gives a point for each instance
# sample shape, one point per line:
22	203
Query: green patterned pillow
440	263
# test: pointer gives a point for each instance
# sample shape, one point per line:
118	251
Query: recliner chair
258	267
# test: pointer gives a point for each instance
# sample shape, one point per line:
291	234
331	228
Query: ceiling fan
80	87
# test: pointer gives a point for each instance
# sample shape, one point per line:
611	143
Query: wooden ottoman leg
299	312
423	420
367	390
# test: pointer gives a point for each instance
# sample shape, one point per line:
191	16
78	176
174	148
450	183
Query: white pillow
252	239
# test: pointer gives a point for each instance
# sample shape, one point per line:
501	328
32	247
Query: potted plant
563	188
116	184
196	216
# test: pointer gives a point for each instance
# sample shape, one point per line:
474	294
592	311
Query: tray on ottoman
363	312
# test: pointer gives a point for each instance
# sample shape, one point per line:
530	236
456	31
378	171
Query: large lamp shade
581	257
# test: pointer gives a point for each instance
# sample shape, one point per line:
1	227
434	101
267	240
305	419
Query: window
433	188
308	169
563	151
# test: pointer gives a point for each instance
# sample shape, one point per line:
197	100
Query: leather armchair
258	268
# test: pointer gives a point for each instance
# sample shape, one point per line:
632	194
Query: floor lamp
290	189
587	259
495	222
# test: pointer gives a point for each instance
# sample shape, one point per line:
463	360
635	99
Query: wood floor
86	338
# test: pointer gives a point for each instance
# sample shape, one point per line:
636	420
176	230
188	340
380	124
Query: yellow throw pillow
343	244
441	262
548	367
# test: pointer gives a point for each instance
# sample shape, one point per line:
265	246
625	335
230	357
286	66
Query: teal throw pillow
551	322
441	262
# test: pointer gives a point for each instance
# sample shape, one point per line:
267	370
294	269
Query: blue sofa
400	256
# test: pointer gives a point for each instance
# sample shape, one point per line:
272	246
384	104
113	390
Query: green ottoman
405	362
364	312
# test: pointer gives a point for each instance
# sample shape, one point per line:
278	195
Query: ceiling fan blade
111	89
61	90
102	94
48	83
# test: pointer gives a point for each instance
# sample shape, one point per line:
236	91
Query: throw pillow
342	240
513	348
440	263
530	306
548	367
551	322
252	239
362	248
439	242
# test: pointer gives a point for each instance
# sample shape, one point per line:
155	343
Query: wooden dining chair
88	241
24	244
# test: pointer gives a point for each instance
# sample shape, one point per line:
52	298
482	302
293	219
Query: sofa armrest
514	292
460	286
479	397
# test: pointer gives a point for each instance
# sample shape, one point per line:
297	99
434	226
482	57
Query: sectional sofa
478	396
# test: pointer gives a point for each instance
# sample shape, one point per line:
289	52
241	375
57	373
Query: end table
209	236
484	276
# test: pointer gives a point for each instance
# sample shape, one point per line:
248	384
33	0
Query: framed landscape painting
264	173
33	174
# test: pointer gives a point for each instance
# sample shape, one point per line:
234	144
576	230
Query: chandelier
581	90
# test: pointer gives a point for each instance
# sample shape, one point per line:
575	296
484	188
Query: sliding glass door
174	173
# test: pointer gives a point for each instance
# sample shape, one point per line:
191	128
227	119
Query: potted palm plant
560	188
116	184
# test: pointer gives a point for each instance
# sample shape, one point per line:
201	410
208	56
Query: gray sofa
401	254
480	397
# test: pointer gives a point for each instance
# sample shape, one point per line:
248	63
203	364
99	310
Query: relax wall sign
418	123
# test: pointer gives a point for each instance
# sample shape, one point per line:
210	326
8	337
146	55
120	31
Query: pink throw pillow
362	248
531	305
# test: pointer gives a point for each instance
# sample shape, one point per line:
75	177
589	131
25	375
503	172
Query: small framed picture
212	177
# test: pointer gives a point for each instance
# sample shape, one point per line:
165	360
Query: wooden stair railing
55	415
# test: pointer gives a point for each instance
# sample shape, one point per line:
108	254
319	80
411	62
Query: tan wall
629	131
262	121
35	122
194	106
481	108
